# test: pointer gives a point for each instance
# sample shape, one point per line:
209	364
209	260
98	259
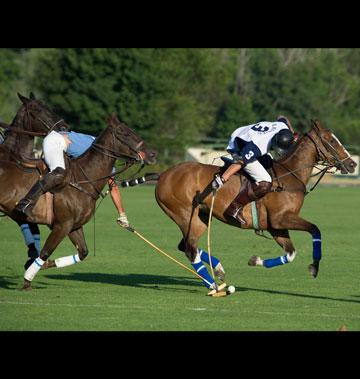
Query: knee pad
262	188
58	173
53	179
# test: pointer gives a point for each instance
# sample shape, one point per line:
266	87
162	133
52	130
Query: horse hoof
219	272
26	286
313	270
255	260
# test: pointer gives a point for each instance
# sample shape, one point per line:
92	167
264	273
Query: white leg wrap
67	261
291	256
33	269
197	257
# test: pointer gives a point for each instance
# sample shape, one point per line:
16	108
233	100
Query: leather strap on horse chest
254	215
78	187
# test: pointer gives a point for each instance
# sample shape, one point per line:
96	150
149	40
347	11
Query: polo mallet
130	229
217	292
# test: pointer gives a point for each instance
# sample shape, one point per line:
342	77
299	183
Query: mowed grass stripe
129	286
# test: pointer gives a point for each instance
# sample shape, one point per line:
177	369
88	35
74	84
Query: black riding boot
26	204
250	192
49	182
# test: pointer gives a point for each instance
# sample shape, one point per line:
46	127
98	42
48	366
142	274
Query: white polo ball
231	289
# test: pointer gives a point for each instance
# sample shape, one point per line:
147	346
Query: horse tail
134	182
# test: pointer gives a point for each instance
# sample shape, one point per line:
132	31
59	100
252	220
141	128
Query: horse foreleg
55	237
78	239
31	235
192	228
294	222
219	271
283	239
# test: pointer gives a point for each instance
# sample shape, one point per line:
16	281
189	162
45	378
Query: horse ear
114	118
316	124
32	96
110	119
24	99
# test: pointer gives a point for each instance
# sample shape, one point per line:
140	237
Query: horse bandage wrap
316	245
291	257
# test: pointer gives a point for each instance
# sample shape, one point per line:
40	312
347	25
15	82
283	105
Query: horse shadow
156	283
302	295
153	282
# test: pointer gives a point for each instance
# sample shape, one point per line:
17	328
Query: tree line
177	97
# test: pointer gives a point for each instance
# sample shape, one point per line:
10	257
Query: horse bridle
330	150
110	152
322	155
48	127
28	130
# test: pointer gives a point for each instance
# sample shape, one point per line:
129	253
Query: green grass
128	286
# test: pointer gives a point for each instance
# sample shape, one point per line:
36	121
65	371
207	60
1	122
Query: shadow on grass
154	282
287	293
8	282
16	282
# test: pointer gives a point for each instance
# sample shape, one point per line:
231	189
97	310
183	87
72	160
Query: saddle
27	163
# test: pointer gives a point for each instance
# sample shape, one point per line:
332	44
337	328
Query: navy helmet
282	140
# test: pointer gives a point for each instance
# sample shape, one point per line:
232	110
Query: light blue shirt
80	142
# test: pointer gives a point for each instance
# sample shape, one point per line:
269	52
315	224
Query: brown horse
32	119
75	203
184	194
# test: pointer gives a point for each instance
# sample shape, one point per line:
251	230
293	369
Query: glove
122	220
218	182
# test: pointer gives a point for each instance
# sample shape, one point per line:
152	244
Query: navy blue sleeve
250	153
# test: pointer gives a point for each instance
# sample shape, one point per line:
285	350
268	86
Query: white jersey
259	134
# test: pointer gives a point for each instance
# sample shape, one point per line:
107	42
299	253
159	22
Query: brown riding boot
250	192
49	182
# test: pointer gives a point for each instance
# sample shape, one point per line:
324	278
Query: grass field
127	286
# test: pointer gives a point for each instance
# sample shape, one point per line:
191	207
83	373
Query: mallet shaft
169	256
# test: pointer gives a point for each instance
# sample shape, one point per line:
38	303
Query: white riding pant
257	171
54	146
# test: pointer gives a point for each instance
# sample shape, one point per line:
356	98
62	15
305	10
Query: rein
22	131
109	152
322	172
78	186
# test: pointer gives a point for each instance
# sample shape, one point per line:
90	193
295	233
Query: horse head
35	116
130	144
330	149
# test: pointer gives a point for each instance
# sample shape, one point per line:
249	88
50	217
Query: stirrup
24	206
238	216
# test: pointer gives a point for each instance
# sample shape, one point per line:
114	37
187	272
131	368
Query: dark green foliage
176	97
9	72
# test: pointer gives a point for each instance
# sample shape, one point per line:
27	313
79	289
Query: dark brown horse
184	194
32	119
75	203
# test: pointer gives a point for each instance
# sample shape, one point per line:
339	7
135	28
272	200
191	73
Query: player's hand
122	220
218	182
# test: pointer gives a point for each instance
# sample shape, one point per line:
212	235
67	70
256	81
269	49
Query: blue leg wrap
204	256
316	245
203	272
37	242
28	237
268	263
